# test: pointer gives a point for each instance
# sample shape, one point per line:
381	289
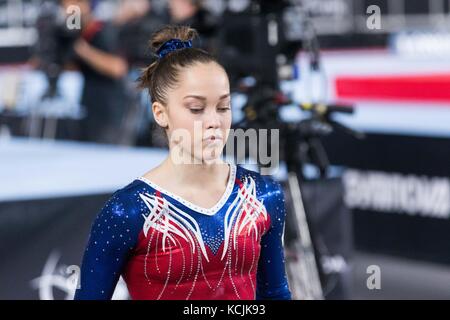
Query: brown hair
163	73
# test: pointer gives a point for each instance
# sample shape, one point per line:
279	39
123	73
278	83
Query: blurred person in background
136	20
96	55
130	10
193	13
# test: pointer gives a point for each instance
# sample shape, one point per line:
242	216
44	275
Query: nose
212	120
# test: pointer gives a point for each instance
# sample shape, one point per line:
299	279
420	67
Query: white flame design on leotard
169	220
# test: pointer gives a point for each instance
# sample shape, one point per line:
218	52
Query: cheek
182	123
226	123
228	119
179	117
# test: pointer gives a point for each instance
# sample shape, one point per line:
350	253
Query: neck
198	174
86	21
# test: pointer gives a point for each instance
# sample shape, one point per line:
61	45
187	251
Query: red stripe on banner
430	88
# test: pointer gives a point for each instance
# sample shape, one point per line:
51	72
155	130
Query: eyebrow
204	98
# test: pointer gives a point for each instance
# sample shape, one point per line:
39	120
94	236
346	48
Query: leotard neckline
207	211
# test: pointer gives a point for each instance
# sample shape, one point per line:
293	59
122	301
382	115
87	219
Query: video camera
55	45
134	38
260	39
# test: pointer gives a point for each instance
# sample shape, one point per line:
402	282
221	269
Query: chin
210	158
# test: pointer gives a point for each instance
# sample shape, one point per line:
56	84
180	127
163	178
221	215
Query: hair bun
183	33
163	73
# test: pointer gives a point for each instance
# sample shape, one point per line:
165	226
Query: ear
160	114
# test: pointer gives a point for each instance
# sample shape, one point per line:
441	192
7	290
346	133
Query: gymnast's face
199	107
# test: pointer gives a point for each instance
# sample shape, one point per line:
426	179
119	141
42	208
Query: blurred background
359	89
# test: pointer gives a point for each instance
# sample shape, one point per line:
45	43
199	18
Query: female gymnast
196	226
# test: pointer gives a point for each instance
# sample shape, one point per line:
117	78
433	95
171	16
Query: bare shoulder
157	175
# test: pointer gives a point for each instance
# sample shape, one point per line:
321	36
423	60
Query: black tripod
302	146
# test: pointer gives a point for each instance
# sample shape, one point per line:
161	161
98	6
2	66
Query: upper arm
271	276
113	236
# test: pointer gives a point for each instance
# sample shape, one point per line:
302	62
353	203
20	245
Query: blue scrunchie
172	45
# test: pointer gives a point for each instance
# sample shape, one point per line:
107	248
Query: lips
213	138
213	141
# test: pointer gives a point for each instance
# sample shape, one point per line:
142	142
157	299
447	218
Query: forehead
204	79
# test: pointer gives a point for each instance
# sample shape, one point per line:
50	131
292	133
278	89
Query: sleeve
113	236
271	275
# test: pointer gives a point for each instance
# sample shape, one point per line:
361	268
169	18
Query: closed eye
224	108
